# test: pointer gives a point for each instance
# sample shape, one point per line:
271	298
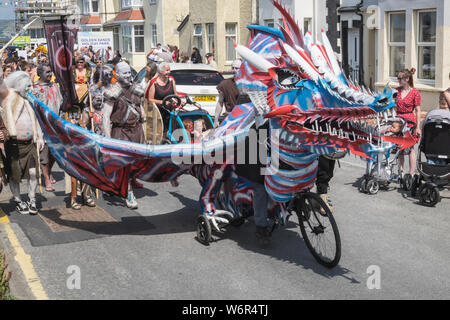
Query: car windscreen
196	77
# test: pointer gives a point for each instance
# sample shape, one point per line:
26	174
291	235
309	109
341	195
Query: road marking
24	261
3	217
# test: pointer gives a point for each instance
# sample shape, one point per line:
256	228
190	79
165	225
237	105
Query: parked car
199	81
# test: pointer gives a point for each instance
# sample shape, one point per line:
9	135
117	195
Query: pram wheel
429	195
407	182
363	186
415	185
203	230
372	186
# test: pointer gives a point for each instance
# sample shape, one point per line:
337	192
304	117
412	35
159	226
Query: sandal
89	201
50	188
75	205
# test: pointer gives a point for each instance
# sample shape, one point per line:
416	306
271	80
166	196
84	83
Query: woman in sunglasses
408	107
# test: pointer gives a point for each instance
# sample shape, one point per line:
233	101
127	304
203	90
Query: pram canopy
436	134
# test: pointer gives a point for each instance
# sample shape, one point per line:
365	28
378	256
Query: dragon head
300	86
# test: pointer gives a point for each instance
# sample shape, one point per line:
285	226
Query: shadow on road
287	245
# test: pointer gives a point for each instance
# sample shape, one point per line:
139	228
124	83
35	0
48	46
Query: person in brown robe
124	116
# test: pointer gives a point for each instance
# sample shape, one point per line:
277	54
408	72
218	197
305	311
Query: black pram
435	171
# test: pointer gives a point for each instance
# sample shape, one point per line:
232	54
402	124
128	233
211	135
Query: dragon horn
330	53
253	58
298	59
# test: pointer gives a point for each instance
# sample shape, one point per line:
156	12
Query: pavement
151	252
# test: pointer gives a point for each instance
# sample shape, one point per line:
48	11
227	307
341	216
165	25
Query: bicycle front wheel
319	229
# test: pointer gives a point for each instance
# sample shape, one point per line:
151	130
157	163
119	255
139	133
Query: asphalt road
151	253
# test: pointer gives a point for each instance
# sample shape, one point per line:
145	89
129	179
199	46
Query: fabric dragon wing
108	164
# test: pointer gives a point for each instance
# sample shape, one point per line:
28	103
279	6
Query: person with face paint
25	138
124	116
47	92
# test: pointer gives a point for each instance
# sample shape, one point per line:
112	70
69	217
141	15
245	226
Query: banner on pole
60	42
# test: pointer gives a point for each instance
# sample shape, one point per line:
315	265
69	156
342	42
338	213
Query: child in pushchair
435	171
380	169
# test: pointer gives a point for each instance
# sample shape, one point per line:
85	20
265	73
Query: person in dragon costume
296	88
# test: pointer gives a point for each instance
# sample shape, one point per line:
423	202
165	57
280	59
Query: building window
426	45
86	7
230	40
139	38
269	23
307	25
152	1
211	40
116	36
397	24
154	35
90	6
94	4
127	38
36	33
131	3
133	38
198	37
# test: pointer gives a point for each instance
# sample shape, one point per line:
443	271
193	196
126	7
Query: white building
401	34
310	14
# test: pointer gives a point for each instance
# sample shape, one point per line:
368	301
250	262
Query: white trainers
21	207
131	202
33	210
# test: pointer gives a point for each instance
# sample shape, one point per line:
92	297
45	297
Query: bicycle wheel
203	230
319	229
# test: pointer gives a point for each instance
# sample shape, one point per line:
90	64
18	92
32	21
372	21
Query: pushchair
178	116
380	169
435	171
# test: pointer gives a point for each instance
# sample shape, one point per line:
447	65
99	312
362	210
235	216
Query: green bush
5	276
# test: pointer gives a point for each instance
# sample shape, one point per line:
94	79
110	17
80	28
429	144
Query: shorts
46	156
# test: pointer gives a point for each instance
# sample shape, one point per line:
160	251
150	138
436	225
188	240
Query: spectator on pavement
210	60
444	100
447	96
228	94
196	56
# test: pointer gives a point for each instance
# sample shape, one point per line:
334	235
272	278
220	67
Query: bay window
133	38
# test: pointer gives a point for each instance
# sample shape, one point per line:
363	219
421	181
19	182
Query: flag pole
92	122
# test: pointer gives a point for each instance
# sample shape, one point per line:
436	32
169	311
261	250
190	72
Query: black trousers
324	174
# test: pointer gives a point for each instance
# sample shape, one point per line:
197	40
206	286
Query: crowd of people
109	103
171	54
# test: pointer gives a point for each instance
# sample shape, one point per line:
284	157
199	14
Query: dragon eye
292	80
287	78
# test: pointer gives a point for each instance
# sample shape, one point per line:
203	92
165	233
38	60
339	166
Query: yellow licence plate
205	98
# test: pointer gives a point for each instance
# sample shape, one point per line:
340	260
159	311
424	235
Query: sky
6	12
